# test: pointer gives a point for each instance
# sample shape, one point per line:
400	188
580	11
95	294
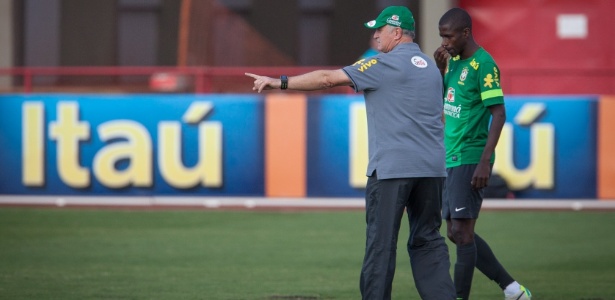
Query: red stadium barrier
153	79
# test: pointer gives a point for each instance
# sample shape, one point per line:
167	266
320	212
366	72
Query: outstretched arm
315	80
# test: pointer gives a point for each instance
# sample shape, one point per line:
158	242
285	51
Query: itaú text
124	141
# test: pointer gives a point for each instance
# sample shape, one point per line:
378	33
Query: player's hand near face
441	56
264	83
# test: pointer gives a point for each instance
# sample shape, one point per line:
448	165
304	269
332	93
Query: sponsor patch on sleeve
419	62
365	64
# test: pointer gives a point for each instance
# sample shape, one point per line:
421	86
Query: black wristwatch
284	80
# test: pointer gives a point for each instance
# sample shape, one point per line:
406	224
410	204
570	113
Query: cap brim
373	24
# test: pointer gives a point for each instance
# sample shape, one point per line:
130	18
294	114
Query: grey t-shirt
403	99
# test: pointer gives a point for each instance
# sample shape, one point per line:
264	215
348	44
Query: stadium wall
271	145
548	46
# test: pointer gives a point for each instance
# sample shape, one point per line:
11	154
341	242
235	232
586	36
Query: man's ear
466	32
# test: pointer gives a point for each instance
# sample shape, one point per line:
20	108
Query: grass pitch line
281	203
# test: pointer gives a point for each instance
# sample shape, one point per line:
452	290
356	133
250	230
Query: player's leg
462	231
489	265
384	208
463	208
429	256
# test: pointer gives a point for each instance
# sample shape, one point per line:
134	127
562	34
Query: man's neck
469	50
406	40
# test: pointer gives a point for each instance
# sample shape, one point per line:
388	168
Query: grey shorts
459	200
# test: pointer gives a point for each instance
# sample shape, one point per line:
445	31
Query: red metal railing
233	80
202	79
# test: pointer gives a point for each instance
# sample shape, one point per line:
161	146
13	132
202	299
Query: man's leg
428	252
384	209
488	264
491	267
463	206
461	231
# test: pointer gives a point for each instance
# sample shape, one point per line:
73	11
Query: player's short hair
458	18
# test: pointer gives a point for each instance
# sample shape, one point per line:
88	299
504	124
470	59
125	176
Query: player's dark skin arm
480	178
461	231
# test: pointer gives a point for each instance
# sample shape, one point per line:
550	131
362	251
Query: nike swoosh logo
459	209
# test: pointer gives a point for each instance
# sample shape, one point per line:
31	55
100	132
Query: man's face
454	41
385	37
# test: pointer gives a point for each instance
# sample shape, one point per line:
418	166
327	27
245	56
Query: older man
406	169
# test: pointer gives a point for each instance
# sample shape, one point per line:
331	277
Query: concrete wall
6	38
431	11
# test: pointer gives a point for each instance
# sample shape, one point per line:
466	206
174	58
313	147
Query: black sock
464	269
489	265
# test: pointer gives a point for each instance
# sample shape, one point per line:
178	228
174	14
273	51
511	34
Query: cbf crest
464	74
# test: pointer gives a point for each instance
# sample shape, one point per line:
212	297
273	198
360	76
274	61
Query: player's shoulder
484	57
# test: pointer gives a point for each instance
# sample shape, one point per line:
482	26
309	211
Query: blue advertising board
214	145
548	146
135	145
330	130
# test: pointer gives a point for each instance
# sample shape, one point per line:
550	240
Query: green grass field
131	254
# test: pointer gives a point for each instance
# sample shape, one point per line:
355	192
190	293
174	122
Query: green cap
398	16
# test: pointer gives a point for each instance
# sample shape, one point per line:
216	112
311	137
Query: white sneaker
522	294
